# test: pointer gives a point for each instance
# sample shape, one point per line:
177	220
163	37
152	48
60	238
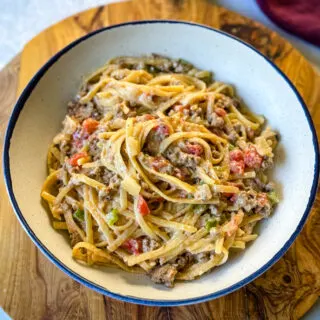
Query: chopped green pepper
273	197
210	224
112	217
231	147
79	215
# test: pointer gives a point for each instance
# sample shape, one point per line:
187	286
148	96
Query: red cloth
300	17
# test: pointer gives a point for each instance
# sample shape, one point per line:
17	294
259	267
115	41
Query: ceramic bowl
265	89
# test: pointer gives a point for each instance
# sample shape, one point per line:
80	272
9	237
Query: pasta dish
159	169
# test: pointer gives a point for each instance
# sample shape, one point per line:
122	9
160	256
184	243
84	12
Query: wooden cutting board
33	288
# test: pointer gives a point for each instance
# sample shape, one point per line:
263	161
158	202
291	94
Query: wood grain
33	288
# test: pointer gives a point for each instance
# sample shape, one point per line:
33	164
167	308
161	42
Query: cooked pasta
159	169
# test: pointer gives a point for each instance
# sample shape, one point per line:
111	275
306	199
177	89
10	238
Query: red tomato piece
252	159
236	155
237	167
133	245
90	125
195	149
143	206
220	112
74	159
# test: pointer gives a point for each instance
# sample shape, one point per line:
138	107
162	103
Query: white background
21	20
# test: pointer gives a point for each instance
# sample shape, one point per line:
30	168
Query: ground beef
161	164
149	244
155	137
152	143
74	238
182	261
214	210
258	185
226	101
246	200
232	137
83	111
253	201
202	257
66	147
72	228
248	228
164	274
267	163
237	127
167	273
181	66
94	151
109	178
203	192
202	220
265	211
180	158
215	121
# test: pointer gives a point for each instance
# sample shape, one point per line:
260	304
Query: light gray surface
20	20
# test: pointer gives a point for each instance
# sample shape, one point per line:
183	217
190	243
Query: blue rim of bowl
162	303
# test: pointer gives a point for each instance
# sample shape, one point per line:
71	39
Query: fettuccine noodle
159	169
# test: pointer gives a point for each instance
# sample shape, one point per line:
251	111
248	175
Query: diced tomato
236	161
162	130
90	125
195	149
252	159
133	245
74	159
236	155
237	167
220	112
262	199
143	206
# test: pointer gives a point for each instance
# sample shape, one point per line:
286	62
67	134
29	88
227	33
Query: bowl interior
257	82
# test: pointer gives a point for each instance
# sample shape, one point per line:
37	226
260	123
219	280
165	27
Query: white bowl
39	111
